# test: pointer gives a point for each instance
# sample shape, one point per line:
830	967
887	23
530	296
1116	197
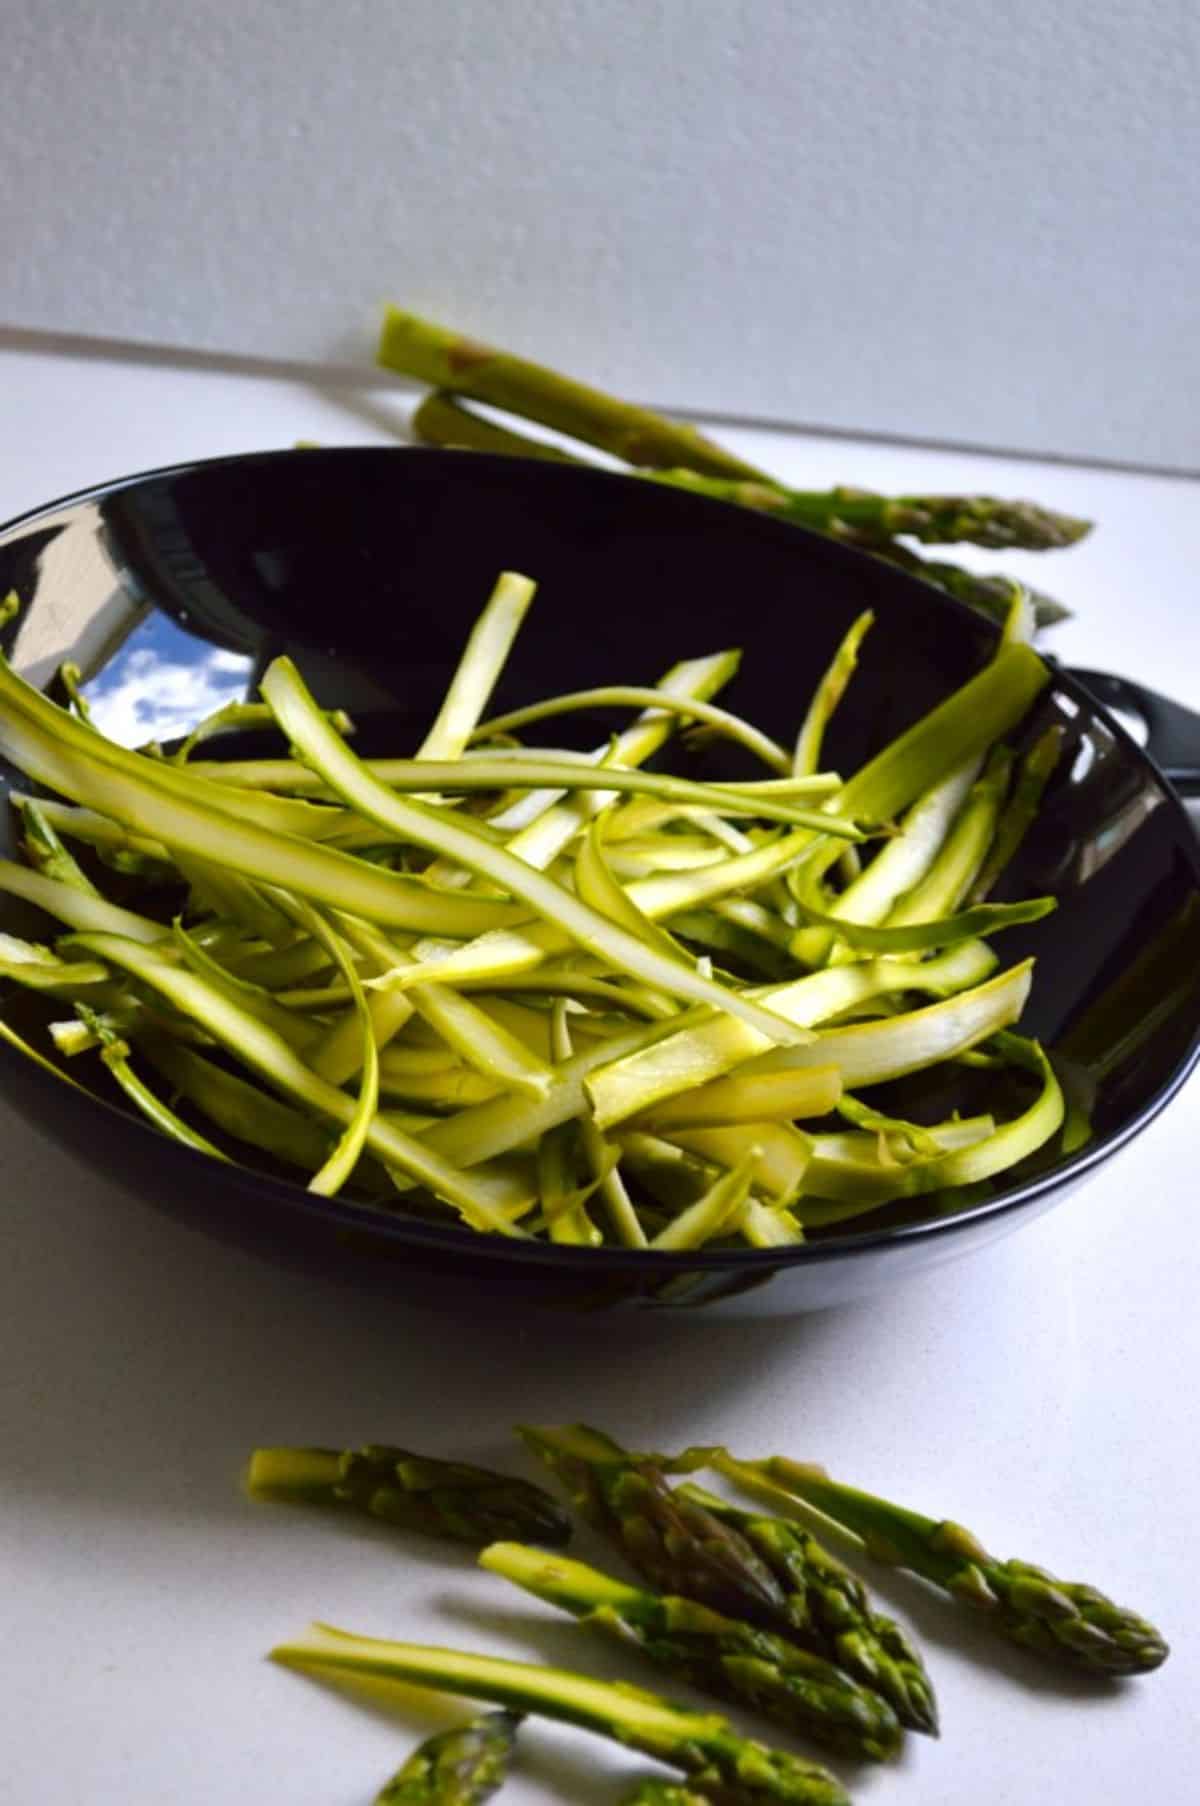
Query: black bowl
368	566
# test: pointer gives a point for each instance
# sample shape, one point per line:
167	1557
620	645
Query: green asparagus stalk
1064	1620
981	520
676	1545
723	1656
728	1769
843	511
460	1767
442	420
652	1792
448	1499
447	360
990	594
828	1611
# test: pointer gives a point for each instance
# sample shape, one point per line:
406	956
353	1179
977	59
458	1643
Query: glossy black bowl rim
336	1213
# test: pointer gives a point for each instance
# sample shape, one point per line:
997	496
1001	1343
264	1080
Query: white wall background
974	220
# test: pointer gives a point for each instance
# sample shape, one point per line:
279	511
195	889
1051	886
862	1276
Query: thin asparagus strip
829	693
115	1054
298	1031
20	1045
38	969
109	838
483	1042
284	690
45	851
601	1159
1021	621
828	1611
236	1106
564	1204
729	1770
595	885
716	1211
231	897
349	1147
447	360
75	907
547	824
67	680
460	1767
479	668
957	730
781	1153
732	944
921	934
447	1499
767	800
508	1122
903	861
338	1055
701	1050
752	1097
767	1228
1033	774
841	1169
253	1042
235	717
971	719
155	798
1064	1620
643	697
503	956
732	1660
956	866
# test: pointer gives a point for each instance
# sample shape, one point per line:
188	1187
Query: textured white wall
951	218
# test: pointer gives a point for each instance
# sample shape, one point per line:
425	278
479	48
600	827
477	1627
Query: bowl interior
368	567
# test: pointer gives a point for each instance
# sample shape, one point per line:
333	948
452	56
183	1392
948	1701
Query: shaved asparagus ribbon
513	985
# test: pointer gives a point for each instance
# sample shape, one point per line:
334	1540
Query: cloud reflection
145	696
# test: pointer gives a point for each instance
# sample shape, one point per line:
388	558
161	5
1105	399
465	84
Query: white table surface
1042	1391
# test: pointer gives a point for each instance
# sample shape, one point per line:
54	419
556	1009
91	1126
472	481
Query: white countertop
1041	1391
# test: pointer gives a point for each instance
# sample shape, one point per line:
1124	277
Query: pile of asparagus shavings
464	377
743	1602
542	992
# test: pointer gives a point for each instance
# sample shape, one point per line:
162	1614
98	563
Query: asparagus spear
982	520
678	1546
723	1656
447	360
662	1793
990	594
828	1611
460	1767
442	1498
728	1769
1061	1619
442	420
